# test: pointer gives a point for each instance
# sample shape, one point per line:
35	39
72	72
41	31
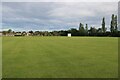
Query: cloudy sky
119	15
55	15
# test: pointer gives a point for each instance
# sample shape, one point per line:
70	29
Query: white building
69	34
28	34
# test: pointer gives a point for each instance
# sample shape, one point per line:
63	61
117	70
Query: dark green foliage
24	33
86	30
112	24
81	30
37	33
99	30
63	33
114	29
92	31
74	32
31	32
10	30
103	25
55	33
116	23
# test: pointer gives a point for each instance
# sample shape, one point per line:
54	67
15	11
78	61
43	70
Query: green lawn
60	57
0	57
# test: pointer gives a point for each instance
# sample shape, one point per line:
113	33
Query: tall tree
103	25
112	24
81	29
115	22
81	25
86	29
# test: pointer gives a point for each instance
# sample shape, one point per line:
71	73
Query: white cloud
56	15
71	12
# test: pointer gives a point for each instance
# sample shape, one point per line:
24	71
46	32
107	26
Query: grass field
60	57
0	57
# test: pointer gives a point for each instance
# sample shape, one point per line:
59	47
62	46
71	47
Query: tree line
82	31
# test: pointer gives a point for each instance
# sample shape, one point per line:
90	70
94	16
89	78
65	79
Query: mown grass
60	57
0	57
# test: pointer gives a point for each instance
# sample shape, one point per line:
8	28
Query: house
29	34
18	34
9	34
0	33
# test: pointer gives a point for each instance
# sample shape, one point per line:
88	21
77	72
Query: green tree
81	29
55	33
103	25
24	33
112	24
115	22
99	30
31	33
4	32
37	33
114	29
81	25
86	29
74	32
93	31
9	31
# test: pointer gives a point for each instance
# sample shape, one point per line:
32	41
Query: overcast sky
55	15
119	15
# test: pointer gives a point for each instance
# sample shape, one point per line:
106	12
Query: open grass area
0	57
60	57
